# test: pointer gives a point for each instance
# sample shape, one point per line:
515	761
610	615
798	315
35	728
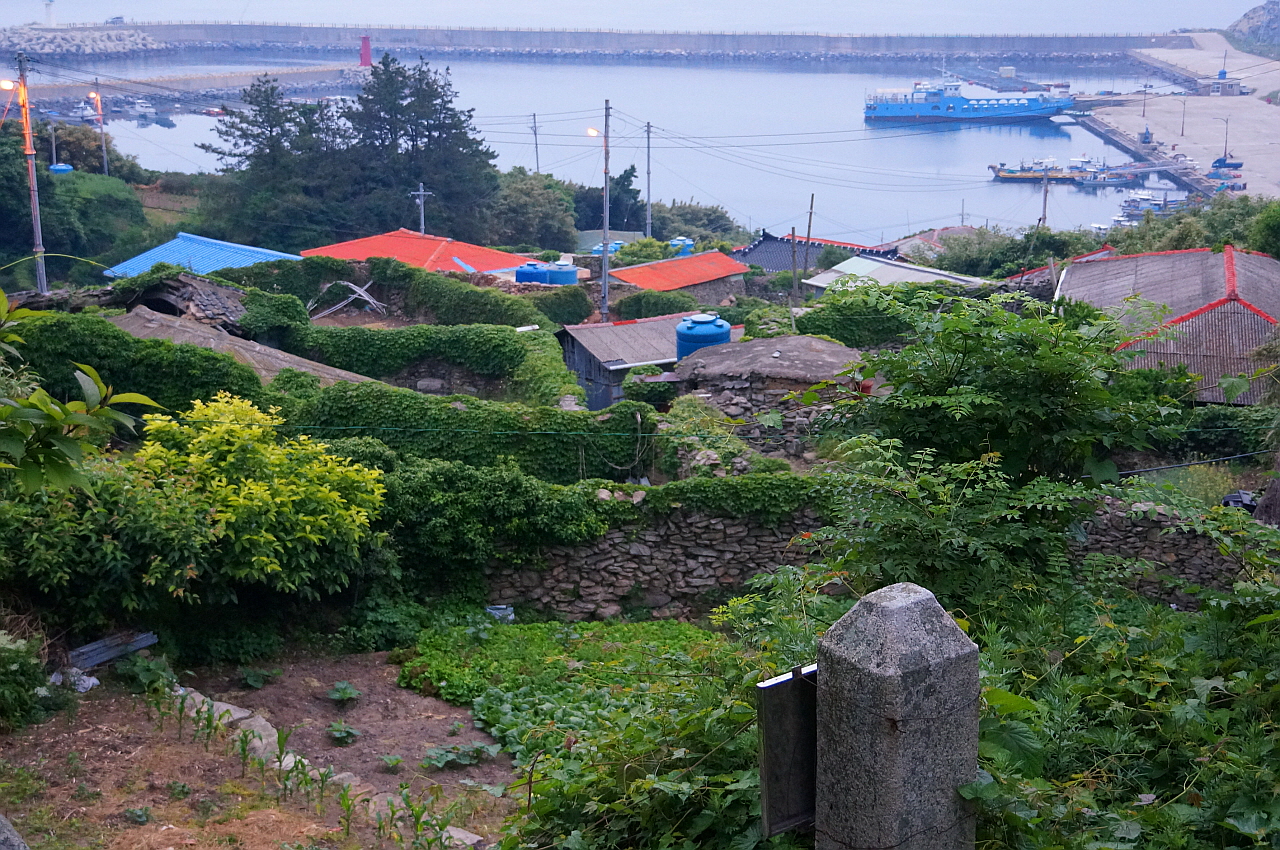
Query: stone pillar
897	726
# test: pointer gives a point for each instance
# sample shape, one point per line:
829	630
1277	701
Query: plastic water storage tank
61	168
700	331
562	274
531	273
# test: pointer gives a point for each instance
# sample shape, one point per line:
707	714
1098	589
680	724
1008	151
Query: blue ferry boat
943	102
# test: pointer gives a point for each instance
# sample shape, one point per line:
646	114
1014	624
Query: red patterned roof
434	253
679	272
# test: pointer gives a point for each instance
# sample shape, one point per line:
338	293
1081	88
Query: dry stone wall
1192	558
747	398
669	566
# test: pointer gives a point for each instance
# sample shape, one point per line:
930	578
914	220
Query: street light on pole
102	127
42	280
604	233
1226	134
1184	116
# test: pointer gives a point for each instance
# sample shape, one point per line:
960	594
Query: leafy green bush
737	314
207	512
265	312
454	302
173	375
554	445
1175	385
1221	430
1206	483
566	305
21	676
459	754
656	393
302	279
853	319
692	426
647	303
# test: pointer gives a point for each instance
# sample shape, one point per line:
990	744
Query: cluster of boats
1082	171
86	111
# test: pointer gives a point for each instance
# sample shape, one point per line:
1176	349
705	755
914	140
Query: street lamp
1226	134
102	127
1184	116
42	280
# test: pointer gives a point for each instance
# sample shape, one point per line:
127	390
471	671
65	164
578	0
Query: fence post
897	726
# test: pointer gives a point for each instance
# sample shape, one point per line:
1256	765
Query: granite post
897	726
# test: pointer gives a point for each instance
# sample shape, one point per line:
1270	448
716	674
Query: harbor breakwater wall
514	39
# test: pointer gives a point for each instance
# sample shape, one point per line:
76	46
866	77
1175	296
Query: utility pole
53	142
420	197
808	236
648	181
962	212
102	124
604	241
24	103
537	158
1044	205
791	300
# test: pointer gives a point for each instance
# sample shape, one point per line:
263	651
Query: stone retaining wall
666	567
1190	557
747	398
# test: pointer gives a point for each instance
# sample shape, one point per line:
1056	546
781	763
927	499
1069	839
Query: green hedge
555	445
646	304
172	374
454	302
302	279
567	305
1222	430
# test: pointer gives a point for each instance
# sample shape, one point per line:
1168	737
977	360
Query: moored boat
943	102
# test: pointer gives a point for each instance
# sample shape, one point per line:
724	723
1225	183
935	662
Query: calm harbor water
757	141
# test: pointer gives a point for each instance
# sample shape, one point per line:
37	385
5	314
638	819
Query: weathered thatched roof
266	362
791	358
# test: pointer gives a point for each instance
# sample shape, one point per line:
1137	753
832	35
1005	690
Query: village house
774	253
710	277
884	271
1224	305
601	353
433	253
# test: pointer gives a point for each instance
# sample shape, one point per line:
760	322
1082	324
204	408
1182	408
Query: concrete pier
620	40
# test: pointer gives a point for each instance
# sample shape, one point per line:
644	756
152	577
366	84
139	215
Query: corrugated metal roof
266	362
198	254
679	272
635	341
887	271
434	253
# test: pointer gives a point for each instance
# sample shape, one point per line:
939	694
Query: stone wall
436	377
669	566
746	398
1190	557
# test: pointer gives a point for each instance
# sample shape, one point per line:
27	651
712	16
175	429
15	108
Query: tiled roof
773	253
1224	305
198	254
634	341
434	253
679	272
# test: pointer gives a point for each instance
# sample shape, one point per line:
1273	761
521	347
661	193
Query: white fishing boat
142	108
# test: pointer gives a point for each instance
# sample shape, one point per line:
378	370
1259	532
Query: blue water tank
1222	75
531	273
683	245
700	331
562	274
61	168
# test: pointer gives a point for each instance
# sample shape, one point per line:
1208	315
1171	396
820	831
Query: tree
981	379
533	209
1264	233
626	212
642	251
831	255
80	146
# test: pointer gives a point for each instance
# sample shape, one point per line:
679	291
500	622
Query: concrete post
897	726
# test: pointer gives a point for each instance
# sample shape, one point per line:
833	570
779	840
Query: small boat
84	111
1104	179
1035	171
143	108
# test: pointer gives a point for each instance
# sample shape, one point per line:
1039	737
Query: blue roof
197	254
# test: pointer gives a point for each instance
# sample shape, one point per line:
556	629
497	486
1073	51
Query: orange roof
679	272
434	253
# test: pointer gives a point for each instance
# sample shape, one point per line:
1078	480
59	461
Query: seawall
620	40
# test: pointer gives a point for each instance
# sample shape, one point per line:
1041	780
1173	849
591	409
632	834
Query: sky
832	16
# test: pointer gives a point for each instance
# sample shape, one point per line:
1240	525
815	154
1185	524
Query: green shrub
21	678
737	314
543	377
455	302
265	312
1221	430
552	444
210	511
657	393
566	305
1205	483
647	303
853	319
1171	386
303	279
694	425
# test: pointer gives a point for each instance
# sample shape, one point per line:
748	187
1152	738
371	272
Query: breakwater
512	39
